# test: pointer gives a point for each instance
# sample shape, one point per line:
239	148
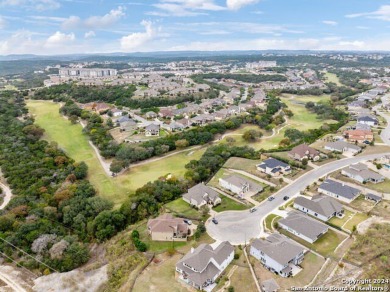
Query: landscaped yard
244	164
230	204
311	265
359	217
181	208
340	221
270	219
70	138
325	245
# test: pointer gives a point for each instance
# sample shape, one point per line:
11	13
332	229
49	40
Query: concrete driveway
239	227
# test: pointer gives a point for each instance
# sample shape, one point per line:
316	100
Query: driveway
239	227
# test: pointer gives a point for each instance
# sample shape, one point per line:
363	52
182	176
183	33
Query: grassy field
359	217
229	204
331	77
325	245
181	208
341	221
70	138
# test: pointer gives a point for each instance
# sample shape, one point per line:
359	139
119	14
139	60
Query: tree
110	123
80	170
305	161
182	143
116	166
251	135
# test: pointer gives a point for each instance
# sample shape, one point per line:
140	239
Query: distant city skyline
86	26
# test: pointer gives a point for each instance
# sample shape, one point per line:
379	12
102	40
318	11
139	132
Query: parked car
187	221
214	220
271	198
286	198
252	210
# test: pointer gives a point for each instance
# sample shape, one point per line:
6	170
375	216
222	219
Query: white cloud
89	34
71	22
39	5
330	22
3	22
184	7
106	20
59	39
237	4
383	13
137	40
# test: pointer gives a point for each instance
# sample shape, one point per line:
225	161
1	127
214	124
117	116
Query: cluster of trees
54	211
128	153
139	245
118	95
351	78
327	111
250	78
96	129
200	79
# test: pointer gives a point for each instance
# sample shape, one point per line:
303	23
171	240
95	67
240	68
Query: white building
321	207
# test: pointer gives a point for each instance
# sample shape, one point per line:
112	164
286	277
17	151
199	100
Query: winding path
7	195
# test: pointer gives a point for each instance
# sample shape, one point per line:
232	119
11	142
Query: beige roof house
167	228
303	151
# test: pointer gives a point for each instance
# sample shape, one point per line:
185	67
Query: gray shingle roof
339	189
199	191
239	181
272	163
322	205
278	247
304	224
340	145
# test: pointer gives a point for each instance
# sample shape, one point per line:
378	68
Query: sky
49	27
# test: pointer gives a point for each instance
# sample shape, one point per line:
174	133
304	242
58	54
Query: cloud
3	22
237	4
89	34
71	22
39	5
183	8
59	39
106	20
137	40
330	22
383	13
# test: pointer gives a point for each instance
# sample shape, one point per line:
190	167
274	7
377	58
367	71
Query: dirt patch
363	226
75	280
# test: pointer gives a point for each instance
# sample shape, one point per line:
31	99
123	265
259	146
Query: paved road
239	227
7	195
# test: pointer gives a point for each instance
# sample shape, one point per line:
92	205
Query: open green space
358	218
331	77
181	208
229	204
325	245
70	138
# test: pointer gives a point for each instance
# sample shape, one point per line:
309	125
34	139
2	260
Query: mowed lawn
71	139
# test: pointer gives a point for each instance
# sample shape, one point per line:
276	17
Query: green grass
383	187
359	217
229	204
269	219
340	221
331	77
182	208
70	138
325	245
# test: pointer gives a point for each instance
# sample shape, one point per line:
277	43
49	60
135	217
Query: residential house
174	127
360	126
372	197
166	113
342	146
200	195
125	123
367	120
303	151
359	136
321	207
303	226
116	112
152	130
151	115
274	167
361	173
239	185
168	228
339	191
201	266
277	253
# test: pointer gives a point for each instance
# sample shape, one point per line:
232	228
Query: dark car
187	221
271	198
253	210
214	220
286	198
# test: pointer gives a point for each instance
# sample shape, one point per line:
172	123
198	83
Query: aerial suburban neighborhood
194	145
